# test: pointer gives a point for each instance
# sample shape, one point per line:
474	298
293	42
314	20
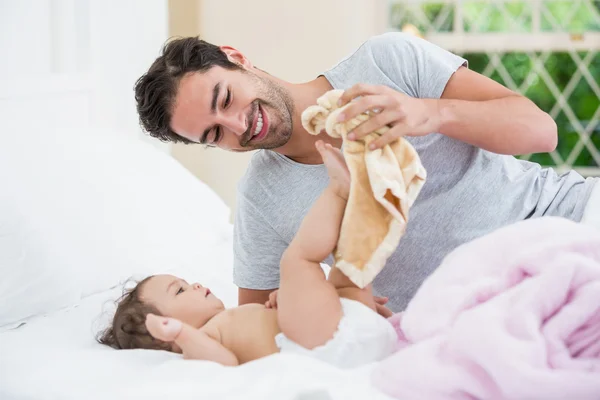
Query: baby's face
175	298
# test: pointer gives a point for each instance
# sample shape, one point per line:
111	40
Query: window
547	50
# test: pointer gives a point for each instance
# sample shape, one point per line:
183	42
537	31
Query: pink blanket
512	315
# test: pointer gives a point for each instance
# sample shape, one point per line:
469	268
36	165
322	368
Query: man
464	126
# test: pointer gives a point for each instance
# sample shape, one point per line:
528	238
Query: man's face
235	110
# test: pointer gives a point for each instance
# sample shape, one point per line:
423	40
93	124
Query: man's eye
179	291
227	98
215	136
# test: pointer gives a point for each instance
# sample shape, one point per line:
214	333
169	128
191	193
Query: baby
329	319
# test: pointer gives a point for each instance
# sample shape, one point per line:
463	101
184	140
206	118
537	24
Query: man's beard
278	104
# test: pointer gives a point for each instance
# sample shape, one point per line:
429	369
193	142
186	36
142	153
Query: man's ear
235	56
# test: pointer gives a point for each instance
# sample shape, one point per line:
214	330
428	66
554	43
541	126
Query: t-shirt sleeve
257	248
419	68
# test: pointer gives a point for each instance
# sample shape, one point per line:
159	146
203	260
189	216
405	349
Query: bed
81	215
55	357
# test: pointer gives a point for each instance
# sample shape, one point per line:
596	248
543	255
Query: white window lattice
547	50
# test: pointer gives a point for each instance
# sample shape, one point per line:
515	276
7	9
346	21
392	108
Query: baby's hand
272	302
339	176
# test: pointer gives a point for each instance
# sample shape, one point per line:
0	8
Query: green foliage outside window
571	73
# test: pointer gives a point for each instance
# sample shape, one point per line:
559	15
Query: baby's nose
197	286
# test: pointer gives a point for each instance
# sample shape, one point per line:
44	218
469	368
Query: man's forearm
509	125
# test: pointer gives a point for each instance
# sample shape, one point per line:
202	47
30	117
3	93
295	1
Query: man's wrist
445	115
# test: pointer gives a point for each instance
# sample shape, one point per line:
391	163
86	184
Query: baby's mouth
207	292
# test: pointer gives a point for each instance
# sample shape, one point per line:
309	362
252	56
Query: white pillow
81	212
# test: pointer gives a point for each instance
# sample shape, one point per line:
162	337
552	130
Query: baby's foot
165	329
339	176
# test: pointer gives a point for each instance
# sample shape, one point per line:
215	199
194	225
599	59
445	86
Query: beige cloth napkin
384	184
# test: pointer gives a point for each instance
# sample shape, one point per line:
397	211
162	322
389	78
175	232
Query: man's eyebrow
213	105
213	109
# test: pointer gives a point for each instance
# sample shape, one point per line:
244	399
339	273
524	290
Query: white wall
125	37
70	63
74	62
293	39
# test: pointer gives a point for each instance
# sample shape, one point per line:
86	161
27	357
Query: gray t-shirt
469	191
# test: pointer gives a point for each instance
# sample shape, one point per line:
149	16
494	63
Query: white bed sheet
56	357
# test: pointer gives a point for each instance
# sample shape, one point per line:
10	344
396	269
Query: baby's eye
179	291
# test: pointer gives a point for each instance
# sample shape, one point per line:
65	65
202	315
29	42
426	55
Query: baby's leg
309	308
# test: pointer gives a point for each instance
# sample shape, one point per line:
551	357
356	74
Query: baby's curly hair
128	328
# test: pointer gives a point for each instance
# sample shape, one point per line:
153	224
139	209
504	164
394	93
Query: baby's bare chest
249	331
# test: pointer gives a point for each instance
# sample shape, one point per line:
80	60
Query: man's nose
237	123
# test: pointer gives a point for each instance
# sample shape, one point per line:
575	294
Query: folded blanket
384	184
512	315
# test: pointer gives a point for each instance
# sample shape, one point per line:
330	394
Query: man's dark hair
155	91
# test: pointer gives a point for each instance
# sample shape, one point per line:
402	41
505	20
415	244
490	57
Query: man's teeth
259	124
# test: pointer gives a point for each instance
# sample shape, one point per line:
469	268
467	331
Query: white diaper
362	337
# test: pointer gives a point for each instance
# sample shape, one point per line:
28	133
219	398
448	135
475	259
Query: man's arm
439	94
246	296
477	110
473	108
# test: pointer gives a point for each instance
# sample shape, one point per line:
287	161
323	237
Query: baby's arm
194	343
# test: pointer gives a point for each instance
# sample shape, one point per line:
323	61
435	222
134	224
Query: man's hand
272	302
381	308
404	115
